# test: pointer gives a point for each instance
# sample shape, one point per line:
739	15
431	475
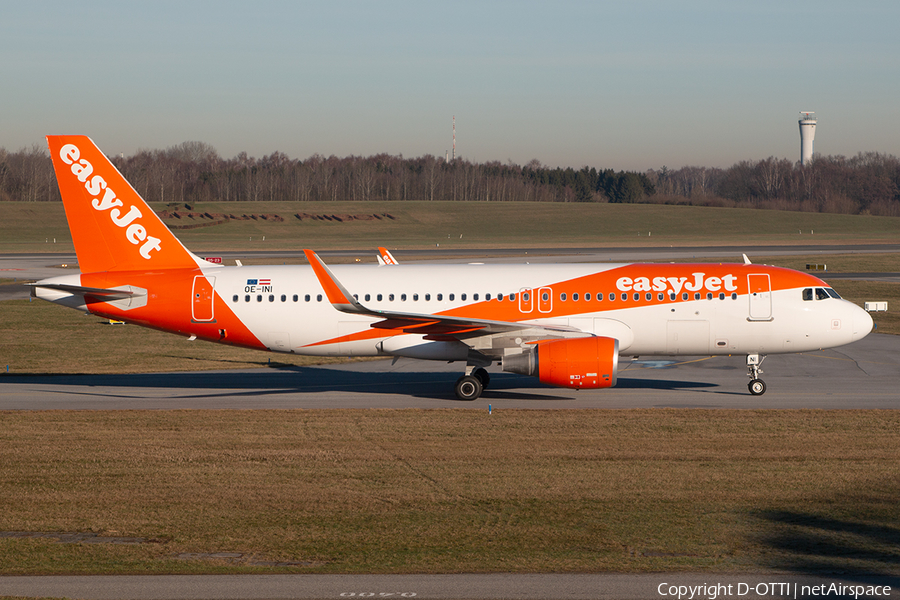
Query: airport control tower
807	135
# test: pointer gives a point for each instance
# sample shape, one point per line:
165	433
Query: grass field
454	490
32	227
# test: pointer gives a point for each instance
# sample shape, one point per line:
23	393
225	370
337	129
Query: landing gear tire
483	376
757	387
468	387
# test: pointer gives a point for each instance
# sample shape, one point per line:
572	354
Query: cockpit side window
821	294
807	294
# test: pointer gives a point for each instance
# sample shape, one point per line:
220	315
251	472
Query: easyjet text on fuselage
674	285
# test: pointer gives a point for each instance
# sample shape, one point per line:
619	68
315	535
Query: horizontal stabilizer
106	294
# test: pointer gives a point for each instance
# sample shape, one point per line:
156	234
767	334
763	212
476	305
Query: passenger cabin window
234	298
296	297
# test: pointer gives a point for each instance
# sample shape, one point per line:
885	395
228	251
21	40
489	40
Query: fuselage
673	309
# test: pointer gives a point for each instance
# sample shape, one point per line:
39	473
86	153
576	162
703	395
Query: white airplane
566	324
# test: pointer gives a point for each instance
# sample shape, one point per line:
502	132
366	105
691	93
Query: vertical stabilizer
112	227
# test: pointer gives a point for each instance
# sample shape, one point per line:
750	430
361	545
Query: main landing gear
470	385
756	386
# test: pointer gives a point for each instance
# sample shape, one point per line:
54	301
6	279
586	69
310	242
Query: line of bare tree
191	172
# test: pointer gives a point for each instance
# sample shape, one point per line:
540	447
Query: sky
633	85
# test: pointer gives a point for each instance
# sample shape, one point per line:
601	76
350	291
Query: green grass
32	226
454	490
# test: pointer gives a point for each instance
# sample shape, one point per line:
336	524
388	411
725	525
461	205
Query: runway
865	374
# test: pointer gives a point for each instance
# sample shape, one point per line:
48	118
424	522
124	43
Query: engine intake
589	362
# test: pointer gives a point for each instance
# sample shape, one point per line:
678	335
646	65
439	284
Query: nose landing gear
756	386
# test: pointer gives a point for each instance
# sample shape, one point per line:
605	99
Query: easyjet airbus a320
566	324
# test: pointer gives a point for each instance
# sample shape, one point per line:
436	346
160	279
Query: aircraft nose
862	323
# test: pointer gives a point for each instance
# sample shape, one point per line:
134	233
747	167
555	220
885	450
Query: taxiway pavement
865	374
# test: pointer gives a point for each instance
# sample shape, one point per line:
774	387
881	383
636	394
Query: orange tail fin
112	227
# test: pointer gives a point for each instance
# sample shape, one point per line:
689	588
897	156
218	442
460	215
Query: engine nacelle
589	362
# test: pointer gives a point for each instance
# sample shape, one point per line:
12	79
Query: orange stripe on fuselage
640	278
169	304
691	278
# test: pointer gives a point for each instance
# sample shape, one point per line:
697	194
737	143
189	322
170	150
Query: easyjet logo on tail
105	200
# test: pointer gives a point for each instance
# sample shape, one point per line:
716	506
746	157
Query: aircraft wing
431	325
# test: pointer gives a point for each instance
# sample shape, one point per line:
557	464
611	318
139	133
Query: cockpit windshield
810	294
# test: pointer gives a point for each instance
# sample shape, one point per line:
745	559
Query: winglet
746	260
337	294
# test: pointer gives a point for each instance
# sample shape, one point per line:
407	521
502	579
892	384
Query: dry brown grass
455	490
